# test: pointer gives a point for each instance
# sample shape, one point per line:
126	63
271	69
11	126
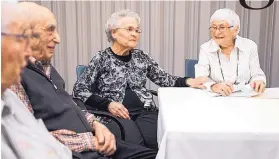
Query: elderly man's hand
119	110
258	86
197	82
224	89
104	140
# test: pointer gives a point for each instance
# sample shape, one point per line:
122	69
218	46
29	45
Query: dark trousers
124	151
132	133
147	125
140	130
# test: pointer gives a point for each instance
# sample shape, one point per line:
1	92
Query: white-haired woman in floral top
120	73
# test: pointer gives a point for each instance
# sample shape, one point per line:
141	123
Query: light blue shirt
25	137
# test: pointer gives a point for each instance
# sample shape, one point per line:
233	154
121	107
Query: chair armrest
79	103
100	113
155	93
110	116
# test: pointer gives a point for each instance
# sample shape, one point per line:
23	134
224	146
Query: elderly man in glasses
120	73
22	135
228	59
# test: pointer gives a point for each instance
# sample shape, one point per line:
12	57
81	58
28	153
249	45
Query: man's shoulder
11	100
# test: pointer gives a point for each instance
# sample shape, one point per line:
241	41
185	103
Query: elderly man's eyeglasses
220	28
18	37
131	30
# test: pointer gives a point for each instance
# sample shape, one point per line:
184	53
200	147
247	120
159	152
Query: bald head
43	24
41	12
13	17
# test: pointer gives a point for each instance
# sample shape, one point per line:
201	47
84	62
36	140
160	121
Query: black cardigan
131	100
51	102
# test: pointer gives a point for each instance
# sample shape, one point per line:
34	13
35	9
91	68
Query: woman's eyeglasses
220	28
131	30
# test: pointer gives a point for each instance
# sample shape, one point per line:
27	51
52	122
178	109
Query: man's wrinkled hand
104	140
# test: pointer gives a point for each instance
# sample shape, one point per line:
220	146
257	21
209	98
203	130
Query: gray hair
11	13
227	15
112	22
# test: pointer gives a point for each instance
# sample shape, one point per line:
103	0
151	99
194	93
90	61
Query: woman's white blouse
248	64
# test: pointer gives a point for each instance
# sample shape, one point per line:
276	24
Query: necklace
236	65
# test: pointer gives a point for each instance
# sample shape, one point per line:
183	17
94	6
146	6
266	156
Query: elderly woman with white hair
228	59
120	73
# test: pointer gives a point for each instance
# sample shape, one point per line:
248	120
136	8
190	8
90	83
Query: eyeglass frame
134	30
18	36
218	28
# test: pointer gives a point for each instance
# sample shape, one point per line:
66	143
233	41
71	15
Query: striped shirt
243	67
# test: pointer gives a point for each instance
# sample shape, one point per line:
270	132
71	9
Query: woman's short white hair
112	22
227	15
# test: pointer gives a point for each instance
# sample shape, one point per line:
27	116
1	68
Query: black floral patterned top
112	76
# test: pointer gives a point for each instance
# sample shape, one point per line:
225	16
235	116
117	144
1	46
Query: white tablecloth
192	125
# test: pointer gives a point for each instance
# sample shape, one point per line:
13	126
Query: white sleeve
203	69
255	69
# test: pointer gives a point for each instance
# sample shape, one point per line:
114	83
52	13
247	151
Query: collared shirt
20	92
23	136
77	142
245	68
